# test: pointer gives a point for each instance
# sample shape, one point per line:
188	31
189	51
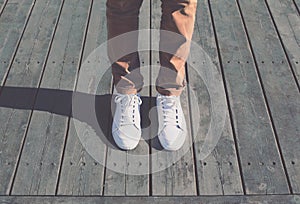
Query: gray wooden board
276	199
177	170
25	72
173	173
287	21
280	87
297	2
126	177
218	173
37	173
115	177
138	169
255	138
2	5
12	21
81	174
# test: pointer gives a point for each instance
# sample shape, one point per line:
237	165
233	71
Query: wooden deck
255	45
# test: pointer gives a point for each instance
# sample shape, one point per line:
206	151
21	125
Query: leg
178	17
122	17
177	25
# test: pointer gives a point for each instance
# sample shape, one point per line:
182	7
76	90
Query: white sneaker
172	125
126	127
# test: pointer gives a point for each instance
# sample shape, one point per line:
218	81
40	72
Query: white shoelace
129	104
170	110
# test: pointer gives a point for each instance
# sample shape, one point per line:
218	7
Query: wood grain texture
177	169
280	88
2	5
133	175
12	24
115	181
81	174
276	199
25	72
42	152
260	158
254	44
219	173
287	21
297	4
138	168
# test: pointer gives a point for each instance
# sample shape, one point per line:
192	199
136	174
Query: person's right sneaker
126	128
172	125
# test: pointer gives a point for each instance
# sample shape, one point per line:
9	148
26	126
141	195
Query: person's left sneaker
126	127
172	129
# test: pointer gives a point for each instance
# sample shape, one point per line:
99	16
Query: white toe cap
172	138
127	137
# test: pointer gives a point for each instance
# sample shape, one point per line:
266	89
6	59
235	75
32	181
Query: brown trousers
178	17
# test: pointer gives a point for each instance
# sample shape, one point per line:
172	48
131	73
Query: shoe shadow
149	122
61	102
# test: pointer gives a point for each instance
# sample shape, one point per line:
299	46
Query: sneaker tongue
169	102
169	105
126	99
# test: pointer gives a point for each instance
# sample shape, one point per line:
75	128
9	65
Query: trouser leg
177	25
122	17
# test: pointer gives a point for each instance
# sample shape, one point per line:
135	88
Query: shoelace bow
170	110
129	104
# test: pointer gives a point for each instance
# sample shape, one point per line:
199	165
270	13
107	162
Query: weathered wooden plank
173	173
12	23
297	4
262	169
287	21
2	2
41	156
138	163
155	25
81	174
115	177
219	172
279	85
25	72
2	5
176	175
130	176
276	199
